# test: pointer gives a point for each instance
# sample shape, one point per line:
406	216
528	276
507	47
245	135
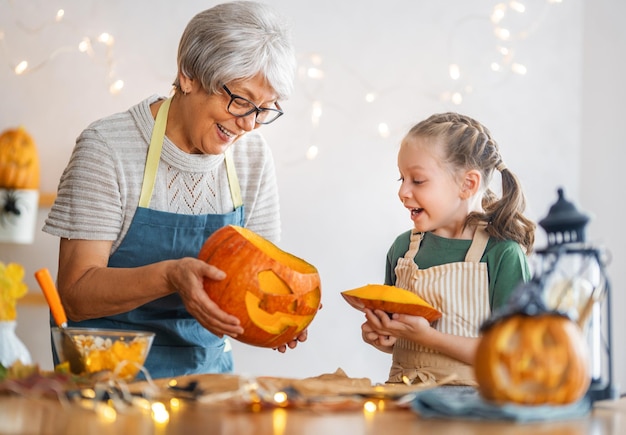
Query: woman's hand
187	277
293	343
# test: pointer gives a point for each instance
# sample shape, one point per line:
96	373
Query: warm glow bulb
116	87
370	97
280	397
316	113
518	68
315	73
21	67
175	403
517	6
495	66
316	59
106	39
383	129
498	13
312	152
159	413
455	71
457	98
369	407
502	33
84	45
59	16
105	412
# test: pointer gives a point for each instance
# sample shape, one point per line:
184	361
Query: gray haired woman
145	188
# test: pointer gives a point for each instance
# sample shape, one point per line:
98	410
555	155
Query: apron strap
154	155
479	243
414	245
233	181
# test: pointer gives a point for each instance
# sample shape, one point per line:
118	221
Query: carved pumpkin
19	163
390	299
533	360
274	294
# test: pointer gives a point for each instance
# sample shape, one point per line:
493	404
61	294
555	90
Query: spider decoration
11	209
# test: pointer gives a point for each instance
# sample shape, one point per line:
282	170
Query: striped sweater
99	189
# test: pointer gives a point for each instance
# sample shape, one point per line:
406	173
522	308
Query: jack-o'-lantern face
274	294
533	360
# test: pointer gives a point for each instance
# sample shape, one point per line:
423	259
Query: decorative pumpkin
19	163
533	359
274	294
390	299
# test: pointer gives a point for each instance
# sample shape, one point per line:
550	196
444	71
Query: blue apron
181	345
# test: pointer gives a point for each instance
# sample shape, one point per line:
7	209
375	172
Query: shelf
46	199
32	299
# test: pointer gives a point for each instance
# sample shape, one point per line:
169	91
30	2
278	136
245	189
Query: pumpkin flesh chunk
391	300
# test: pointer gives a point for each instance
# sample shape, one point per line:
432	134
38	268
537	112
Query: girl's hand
414	328
381	342
418	330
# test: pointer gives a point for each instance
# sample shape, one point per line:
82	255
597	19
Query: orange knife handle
52	296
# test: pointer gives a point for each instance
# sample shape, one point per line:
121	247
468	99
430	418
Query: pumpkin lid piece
390	299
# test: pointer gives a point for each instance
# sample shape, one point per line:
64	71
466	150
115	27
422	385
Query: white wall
602	126
340	211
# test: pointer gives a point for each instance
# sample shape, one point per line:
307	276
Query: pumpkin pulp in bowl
122	352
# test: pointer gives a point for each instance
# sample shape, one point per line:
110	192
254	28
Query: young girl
465	254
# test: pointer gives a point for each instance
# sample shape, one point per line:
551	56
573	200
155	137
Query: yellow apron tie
154	155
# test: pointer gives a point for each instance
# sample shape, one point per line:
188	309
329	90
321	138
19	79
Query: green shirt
507	264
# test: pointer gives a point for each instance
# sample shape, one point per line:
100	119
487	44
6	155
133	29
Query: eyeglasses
240	107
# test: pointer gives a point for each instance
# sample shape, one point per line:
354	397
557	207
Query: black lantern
572	277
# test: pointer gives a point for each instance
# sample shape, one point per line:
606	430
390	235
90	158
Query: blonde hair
468	145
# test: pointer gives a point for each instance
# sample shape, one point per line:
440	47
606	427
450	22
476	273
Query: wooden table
20	415
230	404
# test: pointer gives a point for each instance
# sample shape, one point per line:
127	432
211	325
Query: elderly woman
146	187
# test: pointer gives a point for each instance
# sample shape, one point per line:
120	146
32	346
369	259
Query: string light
312	152
455	71
383	130
504	38
85	45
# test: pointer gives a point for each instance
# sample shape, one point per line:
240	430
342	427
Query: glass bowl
85	351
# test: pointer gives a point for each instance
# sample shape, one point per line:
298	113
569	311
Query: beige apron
461	292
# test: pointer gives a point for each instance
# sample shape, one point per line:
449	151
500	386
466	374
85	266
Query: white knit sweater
99	189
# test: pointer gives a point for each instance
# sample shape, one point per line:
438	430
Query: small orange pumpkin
19	162
274	294
533	359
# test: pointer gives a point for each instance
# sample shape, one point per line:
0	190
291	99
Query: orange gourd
390	299
533	359
274	294
19	162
